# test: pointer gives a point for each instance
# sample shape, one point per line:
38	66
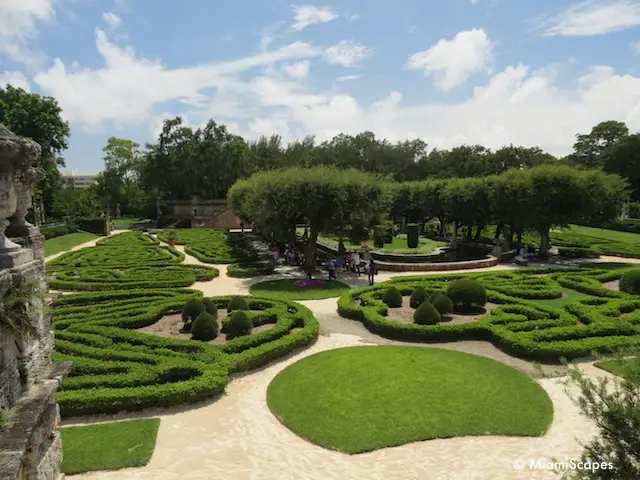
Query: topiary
191	310
412	235
630	282
443	304
239	324
210	307
205	327
426	314
378	237
237	303
418	297
467	293
392	297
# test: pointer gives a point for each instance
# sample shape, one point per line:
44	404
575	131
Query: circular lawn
360	399
297	289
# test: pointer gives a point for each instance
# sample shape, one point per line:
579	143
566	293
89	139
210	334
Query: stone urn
25	186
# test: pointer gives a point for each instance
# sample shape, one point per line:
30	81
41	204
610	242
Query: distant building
77	181
205	213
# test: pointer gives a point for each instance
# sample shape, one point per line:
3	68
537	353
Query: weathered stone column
30	447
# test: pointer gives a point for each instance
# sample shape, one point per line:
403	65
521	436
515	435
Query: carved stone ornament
18	177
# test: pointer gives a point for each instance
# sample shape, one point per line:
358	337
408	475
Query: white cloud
411	29
635	47
15	79
127	87
18	19
346	53
113	21
348	78
306	15
297	69
452	62
593	18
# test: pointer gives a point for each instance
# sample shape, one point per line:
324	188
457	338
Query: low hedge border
120	369
248	270
518	325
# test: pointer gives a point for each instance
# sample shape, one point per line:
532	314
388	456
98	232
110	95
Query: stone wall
30	447
437	267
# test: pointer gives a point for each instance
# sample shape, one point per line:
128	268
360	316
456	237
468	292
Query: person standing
355	258
372	271
331	268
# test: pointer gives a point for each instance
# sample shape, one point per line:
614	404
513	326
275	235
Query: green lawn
611	235
568	295
66	242
108	446
126	222
287	290
399	245
360	399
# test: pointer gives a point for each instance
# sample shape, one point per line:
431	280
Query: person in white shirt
355	258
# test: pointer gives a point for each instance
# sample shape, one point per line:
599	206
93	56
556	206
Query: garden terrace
130	259
117	368
519	324
211	245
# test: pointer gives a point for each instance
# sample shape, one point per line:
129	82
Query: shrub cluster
427	314
413	235
607	321
392	297
59	230
630	282
213	245
441	302
117	368
577	252
97	225
418	297
205	327
248	270
467	294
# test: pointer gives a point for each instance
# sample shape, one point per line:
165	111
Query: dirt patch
612	285
170	326
404	314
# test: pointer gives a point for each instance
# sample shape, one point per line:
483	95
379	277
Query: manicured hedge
248	270
577	252
97	225
518	325
117	368
58	231
212	245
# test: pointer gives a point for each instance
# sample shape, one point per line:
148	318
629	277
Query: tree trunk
498	230
441	231
519	237
507	236
478	233
544	242
310	251
469	231
454	237
158	211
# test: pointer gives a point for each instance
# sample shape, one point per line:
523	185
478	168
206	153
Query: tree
323	198
39	118
70	202
118	186
623	158
614	407
589	148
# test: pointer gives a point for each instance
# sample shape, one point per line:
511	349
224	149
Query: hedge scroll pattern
117	368
518	325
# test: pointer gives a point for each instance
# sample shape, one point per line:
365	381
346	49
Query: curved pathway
236	437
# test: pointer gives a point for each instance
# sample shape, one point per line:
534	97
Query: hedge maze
520	325
117	368
126	260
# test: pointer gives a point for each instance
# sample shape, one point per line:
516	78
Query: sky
490	72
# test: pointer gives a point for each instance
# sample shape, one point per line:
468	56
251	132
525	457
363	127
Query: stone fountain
30	447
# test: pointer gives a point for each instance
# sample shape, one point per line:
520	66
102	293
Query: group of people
352	262
291	255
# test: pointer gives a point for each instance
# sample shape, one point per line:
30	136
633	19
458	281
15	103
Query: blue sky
486	71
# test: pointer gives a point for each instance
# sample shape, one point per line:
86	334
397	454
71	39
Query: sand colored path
236	437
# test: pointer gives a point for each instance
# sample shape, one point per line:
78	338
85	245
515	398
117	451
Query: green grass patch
108	446
126	222
287	290
66	242
610	235
398	245
360	399
568	295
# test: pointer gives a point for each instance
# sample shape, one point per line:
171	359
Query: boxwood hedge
518	325
213	245
117	368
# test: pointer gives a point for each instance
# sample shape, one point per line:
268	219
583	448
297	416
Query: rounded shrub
378	237
426	314
239	324
412	235
443	304
466	294
205	327
237	303
630	282
392	297
418	297
191	310
210	307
